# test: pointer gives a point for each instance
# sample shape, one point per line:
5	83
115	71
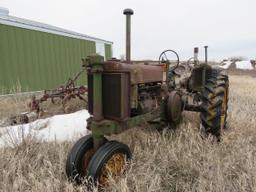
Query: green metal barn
37	56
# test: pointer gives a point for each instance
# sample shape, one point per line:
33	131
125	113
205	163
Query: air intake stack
206	54
128	12
196	50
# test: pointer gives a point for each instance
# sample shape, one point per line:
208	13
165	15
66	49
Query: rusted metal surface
174	107
140	73
63	93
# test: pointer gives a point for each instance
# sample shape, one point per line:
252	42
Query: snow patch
225	64
246	65
57	128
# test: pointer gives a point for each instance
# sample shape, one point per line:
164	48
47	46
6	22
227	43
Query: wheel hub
85	161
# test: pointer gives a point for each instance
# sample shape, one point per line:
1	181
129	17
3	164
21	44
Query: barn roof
7	19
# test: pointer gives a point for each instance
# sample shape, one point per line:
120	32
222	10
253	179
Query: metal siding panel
61	58
69	56
78	61
64	56
108	51
11	70
71	64
3	59
81	78
18	67
75	56
29	75
1	62
25	72
7	59
40	60
88	51
45	60
57	57
83	51
75	63
49	64
53	72
33	69
86	48
15	59
91	48
52	67
93	45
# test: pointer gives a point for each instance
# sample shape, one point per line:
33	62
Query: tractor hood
139	73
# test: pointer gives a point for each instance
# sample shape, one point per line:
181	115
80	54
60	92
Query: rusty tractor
122	95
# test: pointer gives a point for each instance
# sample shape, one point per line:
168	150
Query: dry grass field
170	160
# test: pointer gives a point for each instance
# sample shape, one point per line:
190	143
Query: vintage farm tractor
123	95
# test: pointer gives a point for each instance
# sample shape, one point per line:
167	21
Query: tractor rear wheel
214	104
109	159
224	82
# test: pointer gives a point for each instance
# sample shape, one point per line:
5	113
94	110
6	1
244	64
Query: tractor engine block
148	98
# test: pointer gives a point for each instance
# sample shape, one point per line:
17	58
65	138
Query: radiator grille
111	86
90	93
115	95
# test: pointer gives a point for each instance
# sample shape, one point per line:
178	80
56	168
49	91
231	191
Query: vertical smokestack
128	13
196	55
206	54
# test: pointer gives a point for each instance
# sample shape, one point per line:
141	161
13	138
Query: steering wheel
163	58
189	61
190	64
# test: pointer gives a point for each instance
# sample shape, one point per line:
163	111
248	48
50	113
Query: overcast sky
226	26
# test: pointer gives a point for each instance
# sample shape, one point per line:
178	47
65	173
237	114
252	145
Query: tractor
126	94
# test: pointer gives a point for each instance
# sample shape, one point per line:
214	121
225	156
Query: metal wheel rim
114	167
85	161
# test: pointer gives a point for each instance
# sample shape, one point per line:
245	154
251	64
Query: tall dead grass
170	160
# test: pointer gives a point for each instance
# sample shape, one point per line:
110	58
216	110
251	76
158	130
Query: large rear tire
223	81
214	104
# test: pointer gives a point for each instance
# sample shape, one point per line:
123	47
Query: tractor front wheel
79	158
109	159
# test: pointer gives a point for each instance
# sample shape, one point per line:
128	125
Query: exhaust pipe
196	50
206	54
128	12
